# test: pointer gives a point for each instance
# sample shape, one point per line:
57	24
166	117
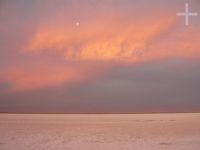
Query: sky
99	56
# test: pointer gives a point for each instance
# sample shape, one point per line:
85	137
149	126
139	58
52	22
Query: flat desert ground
100	132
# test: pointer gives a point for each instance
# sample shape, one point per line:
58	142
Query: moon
77	24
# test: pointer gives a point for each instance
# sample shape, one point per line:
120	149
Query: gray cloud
157	87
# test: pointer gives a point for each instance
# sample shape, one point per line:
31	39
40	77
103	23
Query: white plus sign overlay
187	14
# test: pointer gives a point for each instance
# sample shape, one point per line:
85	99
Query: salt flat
100	132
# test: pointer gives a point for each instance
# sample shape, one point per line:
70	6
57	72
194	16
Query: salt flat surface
100	132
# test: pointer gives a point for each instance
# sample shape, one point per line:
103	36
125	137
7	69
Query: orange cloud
183	43
22	79
106	39
43	75
113	37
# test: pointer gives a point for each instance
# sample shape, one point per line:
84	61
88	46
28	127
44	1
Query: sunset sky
99	56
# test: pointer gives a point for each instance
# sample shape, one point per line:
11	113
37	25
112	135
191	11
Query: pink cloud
104	35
